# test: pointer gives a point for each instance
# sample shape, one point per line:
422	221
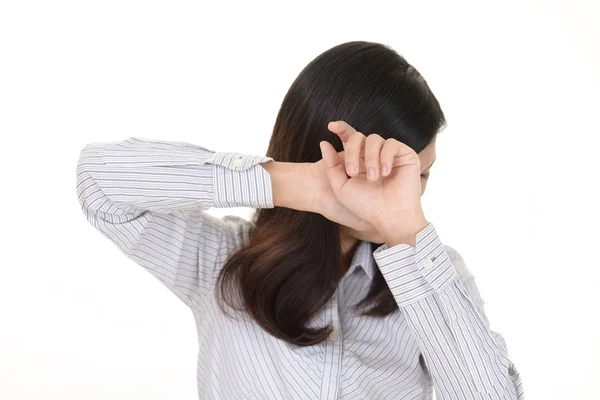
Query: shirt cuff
413	273
238	180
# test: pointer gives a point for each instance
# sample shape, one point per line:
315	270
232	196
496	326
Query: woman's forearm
291	185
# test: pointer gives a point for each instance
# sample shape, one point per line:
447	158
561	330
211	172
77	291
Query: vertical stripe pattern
149	197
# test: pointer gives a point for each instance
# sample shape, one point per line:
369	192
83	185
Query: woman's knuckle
371	161
375	138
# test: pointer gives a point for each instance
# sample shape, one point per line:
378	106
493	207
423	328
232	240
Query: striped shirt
150	198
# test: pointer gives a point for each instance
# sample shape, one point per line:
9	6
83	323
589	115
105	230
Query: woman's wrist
404	232
290	184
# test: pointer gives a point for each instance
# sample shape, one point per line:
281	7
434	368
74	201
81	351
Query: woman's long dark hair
290	266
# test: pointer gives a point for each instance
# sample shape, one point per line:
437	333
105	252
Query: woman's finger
391	147
373	145
334	168
398	154
353	142
342	129
353	149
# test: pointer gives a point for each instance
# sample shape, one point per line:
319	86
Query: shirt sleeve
149	197
444	310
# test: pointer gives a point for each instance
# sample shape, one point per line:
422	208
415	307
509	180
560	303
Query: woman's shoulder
240	228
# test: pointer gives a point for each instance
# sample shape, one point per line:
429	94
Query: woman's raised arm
444	310
149	197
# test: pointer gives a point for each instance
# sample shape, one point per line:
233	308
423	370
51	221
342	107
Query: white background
514	190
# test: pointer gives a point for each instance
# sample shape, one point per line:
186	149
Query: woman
339	287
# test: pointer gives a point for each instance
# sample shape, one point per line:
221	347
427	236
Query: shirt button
238	162
427	264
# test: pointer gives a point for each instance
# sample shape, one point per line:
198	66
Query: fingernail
351	168
371	172
384	170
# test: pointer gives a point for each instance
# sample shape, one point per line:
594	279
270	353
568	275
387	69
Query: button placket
333	347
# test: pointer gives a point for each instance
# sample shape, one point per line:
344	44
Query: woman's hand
326	203
389	200
305	187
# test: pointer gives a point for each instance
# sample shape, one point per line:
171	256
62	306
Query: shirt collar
363	258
